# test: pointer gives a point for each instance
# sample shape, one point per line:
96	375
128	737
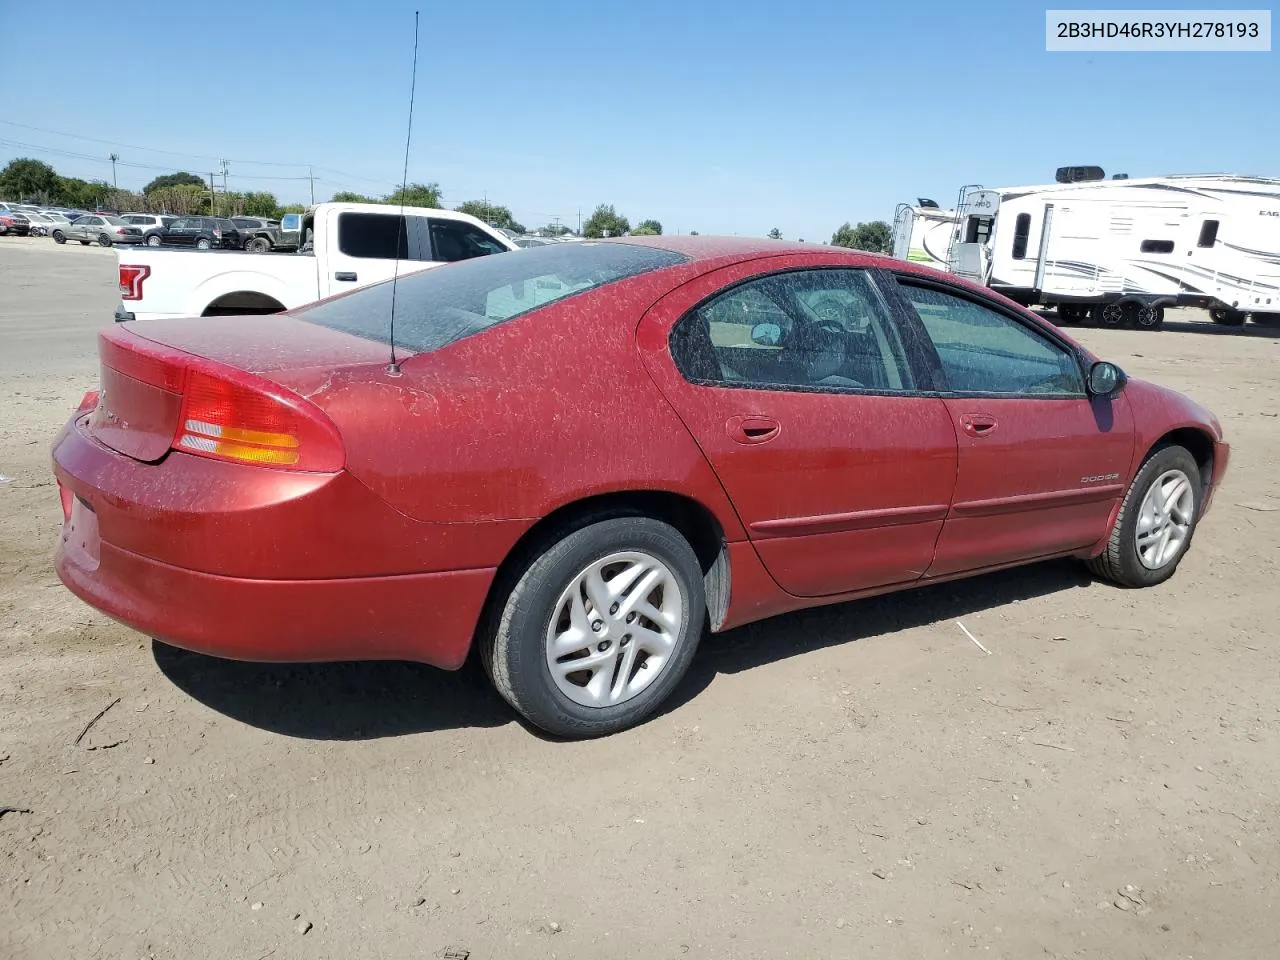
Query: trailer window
1208	234
1157	246
978	230
1021	234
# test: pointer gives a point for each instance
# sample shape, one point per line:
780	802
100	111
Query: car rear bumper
249	563
428	617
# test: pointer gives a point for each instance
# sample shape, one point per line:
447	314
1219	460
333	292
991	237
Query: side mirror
766	334
1105	379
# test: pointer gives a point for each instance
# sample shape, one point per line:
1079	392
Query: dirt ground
861	780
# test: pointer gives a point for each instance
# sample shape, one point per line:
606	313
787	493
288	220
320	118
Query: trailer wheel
1150	317
1071	312
1109	314
1227	318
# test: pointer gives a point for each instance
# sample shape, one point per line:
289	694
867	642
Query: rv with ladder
1120	251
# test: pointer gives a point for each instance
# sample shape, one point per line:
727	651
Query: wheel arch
692	518
242	302
1195	441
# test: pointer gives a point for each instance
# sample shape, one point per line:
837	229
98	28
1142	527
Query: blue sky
709	116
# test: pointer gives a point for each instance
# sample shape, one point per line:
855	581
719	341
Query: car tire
153	240
548	599
1156	522
258	245
104	240
203	244
59	237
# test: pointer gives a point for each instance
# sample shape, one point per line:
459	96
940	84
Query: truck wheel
1227	318
597	630
59	237
259	245
1150	317
1153	530
203	244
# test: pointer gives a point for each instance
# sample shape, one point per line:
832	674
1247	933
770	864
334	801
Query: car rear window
440	305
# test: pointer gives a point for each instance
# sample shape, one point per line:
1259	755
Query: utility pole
213	198
223	163
114	184
579	221
312	177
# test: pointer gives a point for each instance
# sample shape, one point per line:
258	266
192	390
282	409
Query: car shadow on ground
370	700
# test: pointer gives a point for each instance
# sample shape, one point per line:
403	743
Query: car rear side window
825	330
439	306
374	236
985	352
454	240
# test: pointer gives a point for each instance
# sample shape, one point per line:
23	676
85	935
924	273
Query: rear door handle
344	275
752	428
978	424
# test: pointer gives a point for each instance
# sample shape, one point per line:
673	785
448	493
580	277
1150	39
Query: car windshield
439	305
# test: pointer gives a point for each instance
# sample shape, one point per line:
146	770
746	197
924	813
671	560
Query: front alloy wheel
1156	522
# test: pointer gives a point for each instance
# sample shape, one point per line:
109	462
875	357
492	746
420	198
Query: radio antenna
393	368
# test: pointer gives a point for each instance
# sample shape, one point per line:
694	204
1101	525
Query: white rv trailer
1122	250
922	234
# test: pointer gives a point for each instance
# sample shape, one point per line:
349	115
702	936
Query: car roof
750	248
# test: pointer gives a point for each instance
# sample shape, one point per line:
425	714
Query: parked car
14	223
802	425
104	229
351	245
43	224
260	234
154	227
204	233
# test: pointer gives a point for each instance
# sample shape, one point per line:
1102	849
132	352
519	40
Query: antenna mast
393	368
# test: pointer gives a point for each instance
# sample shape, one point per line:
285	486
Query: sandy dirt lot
857	781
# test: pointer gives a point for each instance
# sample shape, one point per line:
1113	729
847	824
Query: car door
88	228
179	232
1041	463
815	416
368	247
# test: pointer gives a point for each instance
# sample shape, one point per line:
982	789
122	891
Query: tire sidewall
532	603
59	237
1167	458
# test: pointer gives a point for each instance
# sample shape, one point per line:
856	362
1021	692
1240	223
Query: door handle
344	275
978	424
752	429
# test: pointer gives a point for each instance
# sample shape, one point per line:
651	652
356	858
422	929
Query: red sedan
585	454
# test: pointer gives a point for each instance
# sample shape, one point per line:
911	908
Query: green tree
416	195
647	228
82	194
182	200
180	179
775	234
555	230
260	204
874	237
693	233
290	208
605	222
26	178
490	213
346	196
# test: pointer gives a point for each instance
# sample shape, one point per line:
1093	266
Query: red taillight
88	402
131	277
228	420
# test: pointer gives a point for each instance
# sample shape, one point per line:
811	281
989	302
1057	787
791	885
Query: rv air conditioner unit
1119	176
1079	174
927	204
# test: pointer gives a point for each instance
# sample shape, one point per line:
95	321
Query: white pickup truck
345	246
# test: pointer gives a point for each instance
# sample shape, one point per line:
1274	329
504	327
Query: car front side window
986	352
